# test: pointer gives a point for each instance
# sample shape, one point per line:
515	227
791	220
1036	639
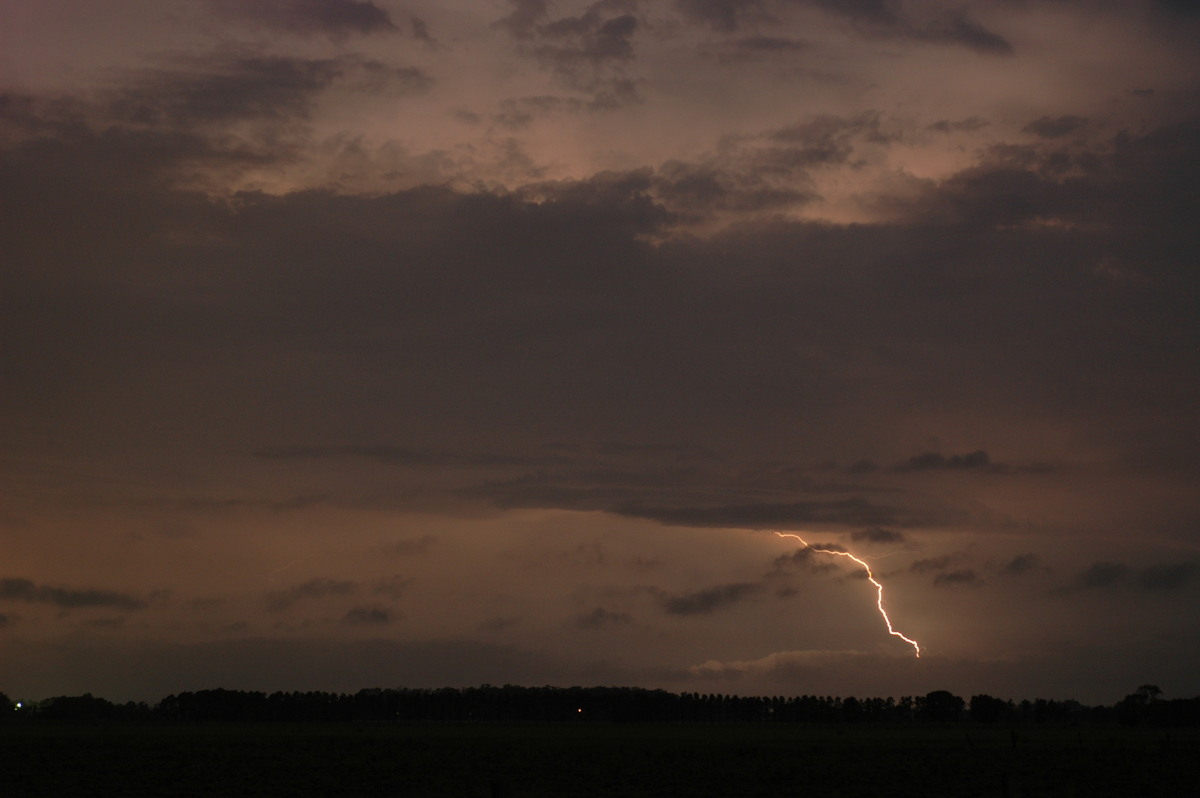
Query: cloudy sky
353	343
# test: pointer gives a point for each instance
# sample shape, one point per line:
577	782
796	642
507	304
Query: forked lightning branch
878	587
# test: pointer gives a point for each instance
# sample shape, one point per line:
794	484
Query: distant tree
512	703
985	709
83	707
1176	712
1136	707
940	706
1148	693
215	705
135	711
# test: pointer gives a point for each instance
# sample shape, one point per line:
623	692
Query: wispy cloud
313	589
334	18
709	599
15	589
601	617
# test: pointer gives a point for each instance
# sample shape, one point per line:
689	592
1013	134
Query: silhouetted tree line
510	703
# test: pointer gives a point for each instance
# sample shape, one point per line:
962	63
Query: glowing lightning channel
878	588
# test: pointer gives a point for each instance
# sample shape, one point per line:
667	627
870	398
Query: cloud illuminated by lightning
878	587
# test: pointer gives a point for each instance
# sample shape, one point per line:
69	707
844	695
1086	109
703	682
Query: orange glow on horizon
878	588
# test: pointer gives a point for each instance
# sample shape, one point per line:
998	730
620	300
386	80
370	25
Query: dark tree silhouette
510	703
940	706
986	709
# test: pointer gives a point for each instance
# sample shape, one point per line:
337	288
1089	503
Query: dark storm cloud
749	47
1159	578
313	589
722	15
1124	184
613	93
809	559
372	615
887	19
1168	576
68	154
105	623
586	53
224	91
393	587
593	38
525	16
878	535
519	112
829	139
1055	127
710	599
971	123
871	18
601	618
963	576
420	30
770	44
932	460
66	598
369	76
1020	565
931	564
1187	8
1102	575
835	548
660	484
757	185
219	90
631	478
209	115
954	28
803	559
768	171
429	312
853	511
310	17
307	230
875	12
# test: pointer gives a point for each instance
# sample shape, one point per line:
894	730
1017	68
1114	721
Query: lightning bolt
878	587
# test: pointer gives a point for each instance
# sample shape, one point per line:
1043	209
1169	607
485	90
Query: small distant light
19	705
579	710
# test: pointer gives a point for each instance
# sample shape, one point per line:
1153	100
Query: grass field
518	761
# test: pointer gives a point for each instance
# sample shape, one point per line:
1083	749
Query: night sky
349	344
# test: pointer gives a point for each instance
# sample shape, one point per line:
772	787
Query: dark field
75	758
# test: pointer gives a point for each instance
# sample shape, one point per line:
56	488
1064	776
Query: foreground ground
523	761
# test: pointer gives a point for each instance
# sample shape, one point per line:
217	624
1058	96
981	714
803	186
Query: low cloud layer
334	18
709	599
15	589
1160	578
